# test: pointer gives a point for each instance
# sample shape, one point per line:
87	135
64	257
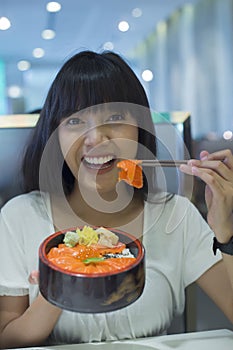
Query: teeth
98	160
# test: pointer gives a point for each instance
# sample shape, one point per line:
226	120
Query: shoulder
168	202
24	204
171	212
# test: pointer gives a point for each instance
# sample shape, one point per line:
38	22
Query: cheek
70	145
134	133
134	137
128	141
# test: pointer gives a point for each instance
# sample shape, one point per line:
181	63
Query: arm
216	170
22	325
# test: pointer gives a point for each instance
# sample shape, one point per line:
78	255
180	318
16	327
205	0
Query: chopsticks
162	163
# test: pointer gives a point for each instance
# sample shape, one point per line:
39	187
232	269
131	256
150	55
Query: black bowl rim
43	258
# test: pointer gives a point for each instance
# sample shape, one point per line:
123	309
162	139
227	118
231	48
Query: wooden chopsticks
162	163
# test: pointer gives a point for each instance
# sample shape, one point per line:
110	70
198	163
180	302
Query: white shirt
178	245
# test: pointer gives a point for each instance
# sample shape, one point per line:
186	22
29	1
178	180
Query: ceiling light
53	6
137	12
38	52
23	65
147	75
14	91
227	135
108	46
4	23
48	34
123	26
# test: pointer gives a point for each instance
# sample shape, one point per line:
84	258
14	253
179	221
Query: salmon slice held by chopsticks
131	172
131	169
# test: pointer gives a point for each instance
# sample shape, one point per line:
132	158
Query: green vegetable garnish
93	260
71	239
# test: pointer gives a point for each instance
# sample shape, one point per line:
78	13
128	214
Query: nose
95	136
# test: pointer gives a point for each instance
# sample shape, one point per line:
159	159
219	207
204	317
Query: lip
101	168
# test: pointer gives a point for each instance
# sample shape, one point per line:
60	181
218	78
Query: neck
111	209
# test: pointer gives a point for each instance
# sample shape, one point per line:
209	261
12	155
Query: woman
95	114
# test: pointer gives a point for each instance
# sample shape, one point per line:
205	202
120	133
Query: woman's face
93	141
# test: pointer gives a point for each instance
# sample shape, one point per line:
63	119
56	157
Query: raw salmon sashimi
73	259
131	172
84	252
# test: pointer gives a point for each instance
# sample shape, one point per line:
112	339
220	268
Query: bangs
95	79
103	90
106	78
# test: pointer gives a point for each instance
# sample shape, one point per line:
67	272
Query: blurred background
182	51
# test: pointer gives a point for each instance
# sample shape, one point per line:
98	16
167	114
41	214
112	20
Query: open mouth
98	162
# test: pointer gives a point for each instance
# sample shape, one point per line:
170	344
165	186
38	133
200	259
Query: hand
216	170
34	277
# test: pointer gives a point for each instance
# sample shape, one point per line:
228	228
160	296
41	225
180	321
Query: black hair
86	79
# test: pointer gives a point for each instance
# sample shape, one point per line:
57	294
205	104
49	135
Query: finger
217	165
225	156
34	277
204	155
211	178
214	190
187	169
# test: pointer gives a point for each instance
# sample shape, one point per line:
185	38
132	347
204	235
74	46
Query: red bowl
92	293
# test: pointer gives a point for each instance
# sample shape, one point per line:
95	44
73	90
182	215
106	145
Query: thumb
204	155
34	277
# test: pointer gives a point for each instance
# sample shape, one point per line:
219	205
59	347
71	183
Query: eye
116	118
75	121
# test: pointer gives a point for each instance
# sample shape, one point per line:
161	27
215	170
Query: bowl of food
91	269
